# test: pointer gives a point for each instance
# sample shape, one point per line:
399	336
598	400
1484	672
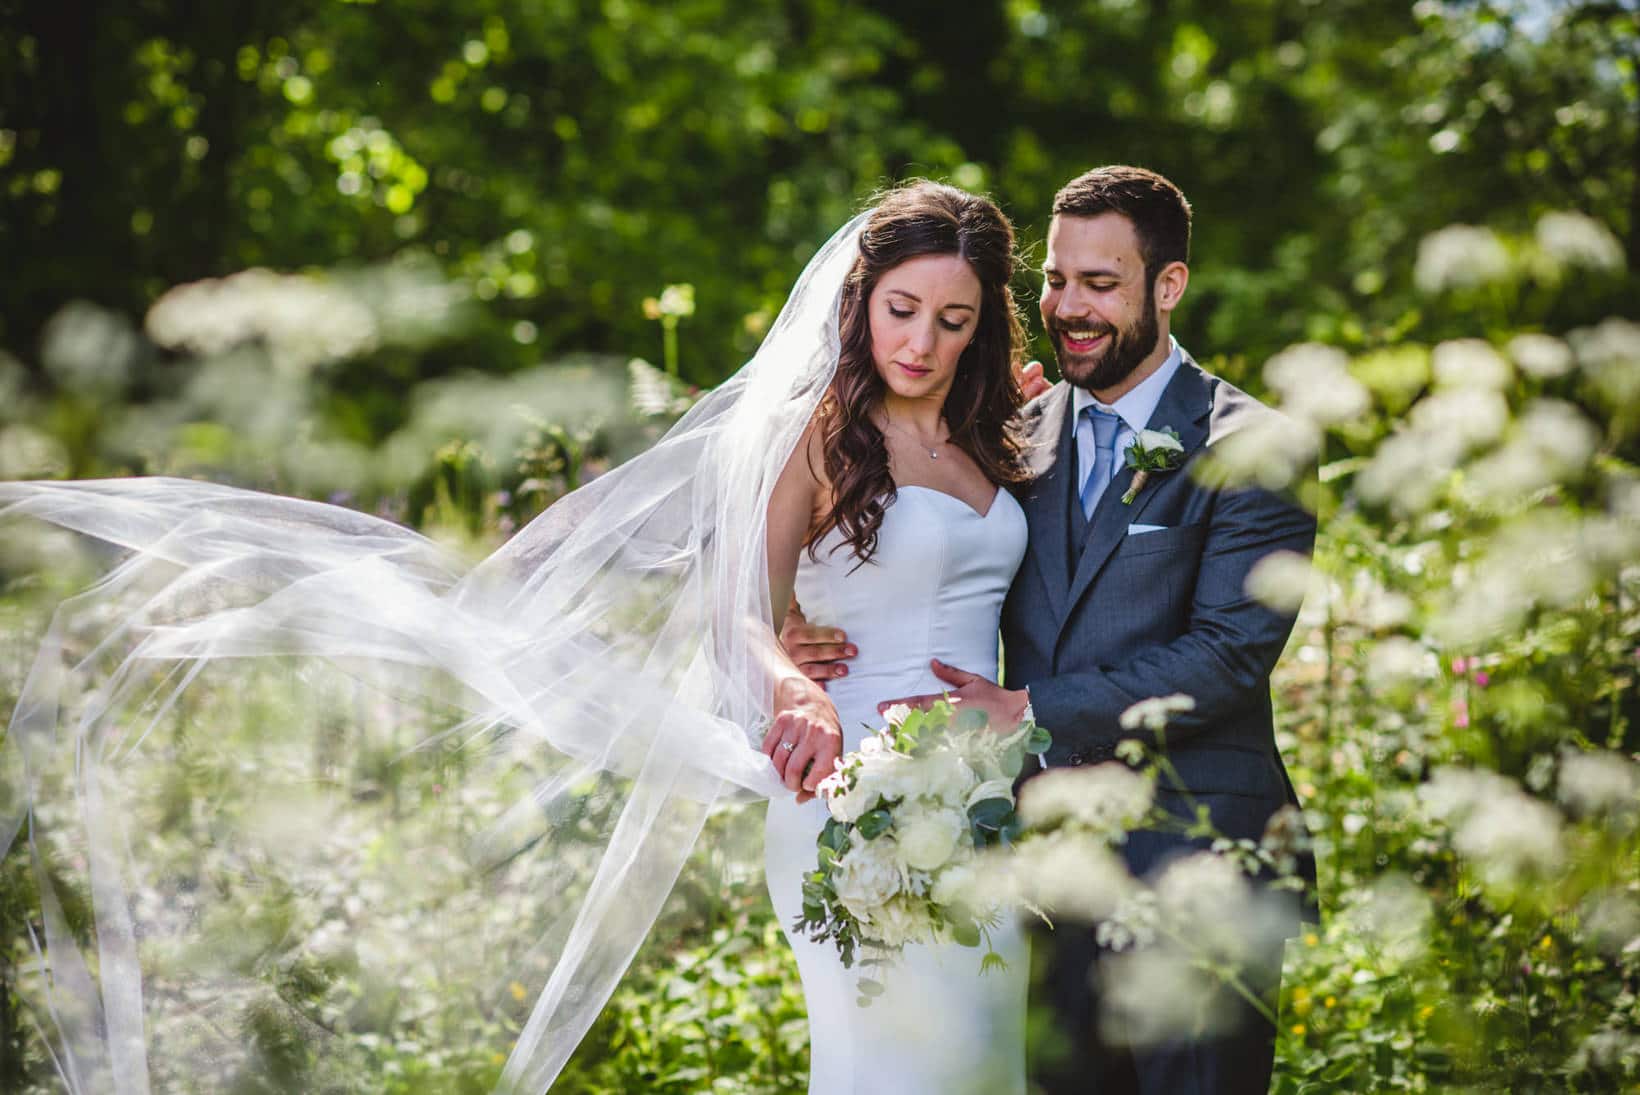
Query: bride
892	520
606	669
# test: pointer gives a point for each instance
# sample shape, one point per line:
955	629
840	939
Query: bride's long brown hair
921	218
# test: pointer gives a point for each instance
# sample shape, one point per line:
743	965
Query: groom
1117	601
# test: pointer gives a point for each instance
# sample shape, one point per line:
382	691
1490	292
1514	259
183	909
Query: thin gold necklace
933	454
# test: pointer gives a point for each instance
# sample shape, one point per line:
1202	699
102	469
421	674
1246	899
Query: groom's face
1098	306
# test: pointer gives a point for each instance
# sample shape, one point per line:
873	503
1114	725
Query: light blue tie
1105	427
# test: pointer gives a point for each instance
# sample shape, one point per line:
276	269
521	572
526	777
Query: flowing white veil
594	687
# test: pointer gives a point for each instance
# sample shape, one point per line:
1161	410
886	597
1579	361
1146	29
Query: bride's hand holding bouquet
805	739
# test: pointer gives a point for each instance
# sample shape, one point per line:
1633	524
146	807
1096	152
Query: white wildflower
1572	239
1281	580
1598	782
1152	994
1541	355
301	320
1269	453
1394	915
1208	900
1471	363
1106	798
1396	659
1315	384
1461	256
1610	354
89	350
1156	712
1074	875
1504	830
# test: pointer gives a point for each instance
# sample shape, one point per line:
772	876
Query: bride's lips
916	372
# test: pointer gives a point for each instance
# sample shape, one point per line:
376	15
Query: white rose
897	714
867	876
928	836
1155	440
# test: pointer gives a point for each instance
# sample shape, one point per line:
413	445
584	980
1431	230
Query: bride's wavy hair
921	218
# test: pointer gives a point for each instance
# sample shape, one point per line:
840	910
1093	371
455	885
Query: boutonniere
1152	450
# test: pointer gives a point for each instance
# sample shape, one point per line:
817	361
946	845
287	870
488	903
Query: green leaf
965	932
1038	740
875	823
868	987
969	719
991	813
1013	761
834	836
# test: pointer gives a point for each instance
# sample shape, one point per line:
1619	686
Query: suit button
1076	758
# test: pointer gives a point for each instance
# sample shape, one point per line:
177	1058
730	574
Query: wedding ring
789	746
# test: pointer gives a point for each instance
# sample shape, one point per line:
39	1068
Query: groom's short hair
1158	209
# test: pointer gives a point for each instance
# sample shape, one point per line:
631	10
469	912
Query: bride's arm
806	737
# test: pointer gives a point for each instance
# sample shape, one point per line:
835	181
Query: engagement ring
788	745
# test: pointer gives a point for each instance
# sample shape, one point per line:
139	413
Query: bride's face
923	315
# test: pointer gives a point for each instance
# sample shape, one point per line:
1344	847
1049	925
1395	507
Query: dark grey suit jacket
1096	626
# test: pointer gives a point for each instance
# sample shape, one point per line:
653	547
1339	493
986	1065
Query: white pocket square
1137	530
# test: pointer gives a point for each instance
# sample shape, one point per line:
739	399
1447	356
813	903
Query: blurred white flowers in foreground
1504	832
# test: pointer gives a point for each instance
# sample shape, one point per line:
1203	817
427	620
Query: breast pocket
1168	539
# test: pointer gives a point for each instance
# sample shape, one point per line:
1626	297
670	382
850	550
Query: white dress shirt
1134	409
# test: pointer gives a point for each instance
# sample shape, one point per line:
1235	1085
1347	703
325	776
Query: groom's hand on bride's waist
818	652
1003	707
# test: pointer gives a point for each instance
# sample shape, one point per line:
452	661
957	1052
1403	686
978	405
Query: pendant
932	455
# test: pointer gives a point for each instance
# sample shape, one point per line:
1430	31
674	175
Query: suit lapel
1185	405
1051	460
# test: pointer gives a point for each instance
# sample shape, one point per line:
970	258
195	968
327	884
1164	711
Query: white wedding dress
934	589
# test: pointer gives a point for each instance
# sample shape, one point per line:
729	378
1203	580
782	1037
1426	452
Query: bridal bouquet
911	810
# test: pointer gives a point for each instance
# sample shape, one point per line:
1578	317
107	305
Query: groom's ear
1171	281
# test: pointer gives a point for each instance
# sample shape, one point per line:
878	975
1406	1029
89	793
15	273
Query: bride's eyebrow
915	299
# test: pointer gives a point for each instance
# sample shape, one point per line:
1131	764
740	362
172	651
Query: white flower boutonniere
1152	451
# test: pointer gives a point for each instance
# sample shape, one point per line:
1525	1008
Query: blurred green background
403	256
563	160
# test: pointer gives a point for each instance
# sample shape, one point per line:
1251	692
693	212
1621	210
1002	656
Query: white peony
927	836
943	776
897	714
878	776
867	876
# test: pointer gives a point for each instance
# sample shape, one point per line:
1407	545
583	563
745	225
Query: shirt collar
1136	407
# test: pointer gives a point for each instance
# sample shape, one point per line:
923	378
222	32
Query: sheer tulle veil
599	682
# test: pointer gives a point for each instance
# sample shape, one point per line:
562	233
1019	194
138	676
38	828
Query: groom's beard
1124	351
